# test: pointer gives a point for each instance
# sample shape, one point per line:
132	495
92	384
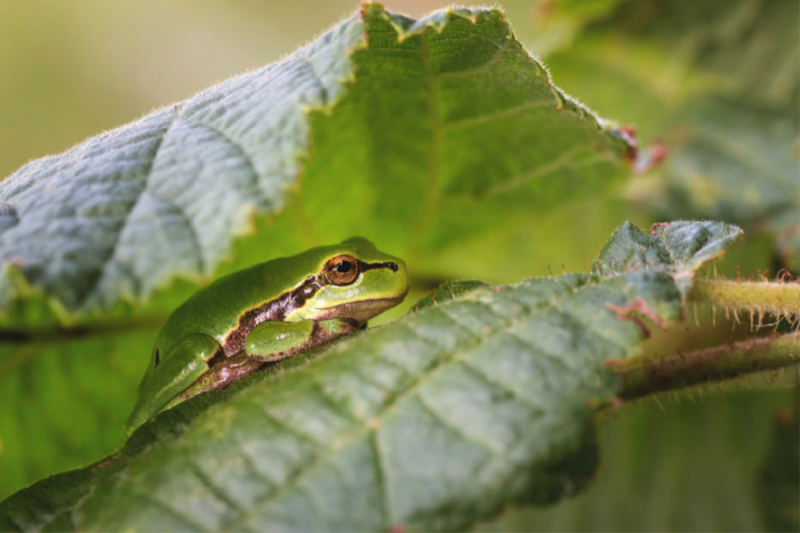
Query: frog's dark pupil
343	266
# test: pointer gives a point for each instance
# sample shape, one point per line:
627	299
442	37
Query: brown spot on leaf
638	305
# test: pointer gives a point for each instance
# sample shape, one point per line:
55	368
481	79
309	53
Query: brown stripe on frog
276	309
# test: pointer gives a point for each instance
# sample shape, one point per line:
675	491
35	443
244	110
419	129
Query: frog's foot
274	340
176	371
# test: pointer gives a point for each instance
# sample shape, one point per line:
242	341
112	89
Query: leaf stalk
643	378
779	299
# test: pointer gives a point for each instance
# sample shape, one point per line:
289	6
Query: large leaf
416	134
438	420
416	122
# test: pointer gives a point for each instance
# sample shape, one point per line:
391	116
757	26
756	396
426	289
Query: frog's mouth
360	311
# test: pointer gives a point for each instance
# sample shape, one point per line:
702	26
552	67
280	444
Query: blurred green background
71	69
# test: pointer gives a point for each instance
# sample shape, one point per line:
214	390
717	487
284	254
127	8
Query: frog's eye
341	270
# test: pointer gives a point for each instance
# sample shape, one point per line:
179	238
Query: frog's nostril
392	265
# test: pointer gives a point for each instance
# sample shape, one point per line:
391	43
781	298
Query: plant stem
644	378
780	299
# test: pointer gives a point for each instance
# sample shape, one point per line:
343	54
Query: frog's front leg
176	371
274	340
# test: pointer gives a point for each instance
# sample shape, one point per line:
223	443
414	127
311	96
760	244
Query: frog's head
352	280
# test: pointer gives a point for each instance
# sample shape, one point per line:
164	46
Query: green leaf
448	291
413	123
676	247
417	134
126	211
436	421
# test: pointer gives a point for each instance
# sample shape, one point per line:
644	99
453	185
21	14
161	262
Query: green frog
263	314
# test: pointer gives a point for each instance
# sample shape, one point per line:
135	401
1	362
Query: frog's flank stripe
280	307
276	309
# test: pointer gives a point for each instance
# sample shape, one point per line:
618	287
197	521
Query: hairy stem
780	299
643	378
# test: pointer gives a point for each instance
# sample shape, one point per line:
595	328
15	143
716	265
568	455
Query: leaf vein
425	403
198	526
480	374
482	119
382	475
290	429
220	494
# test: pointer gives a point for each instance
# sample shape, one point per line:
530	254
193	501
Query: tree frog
263	314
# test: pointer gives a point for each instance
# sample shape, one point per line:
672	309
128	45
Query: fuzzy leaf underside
453	94
124	212
477	401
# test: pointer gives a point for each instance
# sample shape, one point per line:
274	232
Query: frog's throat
282	306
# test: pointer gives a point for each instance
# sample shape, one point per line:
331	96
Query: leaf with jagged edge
415	134
679	248
479	400
449	110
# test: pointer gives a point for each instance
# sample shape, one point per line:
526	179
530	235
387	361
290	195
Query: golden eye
342	270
